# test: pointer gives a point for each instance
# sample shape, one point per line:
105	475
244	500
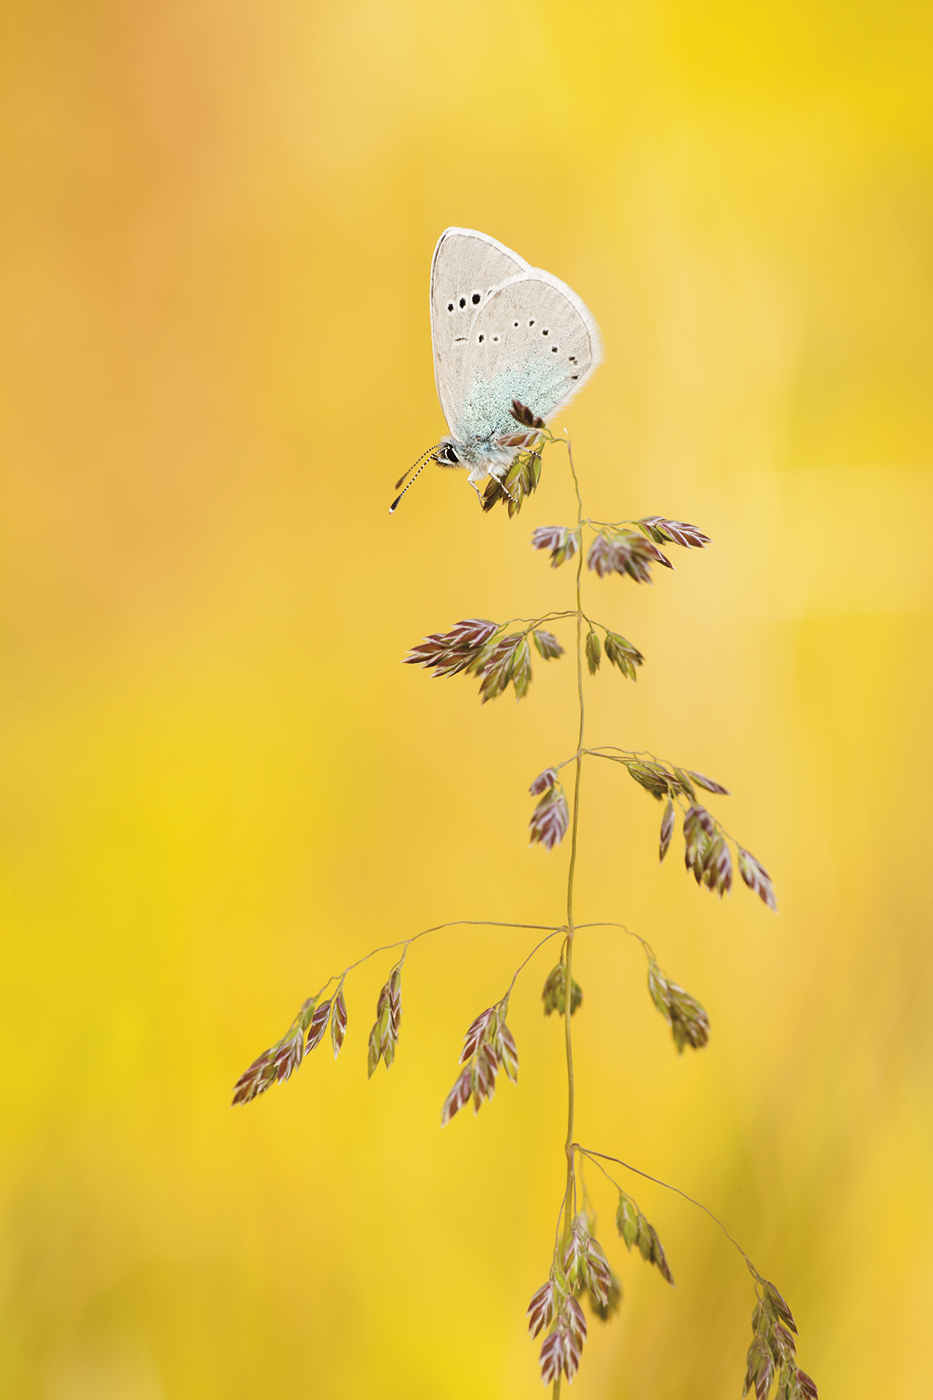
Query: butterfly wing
466	270
532	340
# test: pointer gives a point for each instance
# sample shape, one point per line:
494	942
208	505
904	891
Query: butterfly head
480	459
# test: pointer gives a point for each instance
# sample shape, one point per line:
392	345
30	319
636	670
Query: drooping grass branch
772	1354
498	655
279	1062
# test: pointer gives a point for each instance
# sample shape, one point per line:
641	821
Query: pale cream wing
466	269
533	340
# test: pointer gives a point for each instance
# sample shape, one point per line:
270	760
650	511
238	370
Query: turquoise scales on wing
531	341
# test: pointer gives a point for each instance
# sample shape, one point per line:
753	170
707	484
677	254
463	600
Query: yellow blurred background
219	786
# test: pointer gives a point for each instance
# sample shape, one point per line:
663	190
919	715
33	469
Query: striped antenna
421	463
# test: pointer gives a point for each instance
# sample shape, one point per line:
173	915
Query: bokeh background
219	786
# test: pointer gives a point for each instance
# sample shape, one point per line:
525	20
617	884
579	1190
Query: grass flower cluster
499	655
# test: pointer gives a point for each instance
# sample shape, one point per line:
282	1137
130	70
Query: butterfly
501	331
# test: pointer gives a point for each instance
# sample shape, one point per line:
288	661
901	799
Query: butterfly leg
477	475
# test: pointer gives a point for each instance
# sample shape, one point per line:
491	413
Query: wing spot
462	303
572	359
531	323
481	339
476	298
575	376
544	331
450	306
515	325
553	349
495	339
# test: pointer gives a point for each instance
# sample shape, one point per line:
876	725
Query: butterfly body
501	330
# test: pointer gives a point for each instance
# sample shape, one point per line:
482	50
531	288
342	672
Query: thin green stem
504	1001
535	621
608	923
435	928
571	871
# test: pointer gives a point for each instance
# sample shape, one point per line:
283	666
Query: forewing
532	340
466	269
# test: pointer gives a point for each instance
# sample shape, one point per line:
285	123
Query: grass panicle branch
499	655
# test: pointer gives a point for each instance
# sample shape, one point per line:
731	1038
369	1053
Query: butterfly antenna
413	465
421	463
